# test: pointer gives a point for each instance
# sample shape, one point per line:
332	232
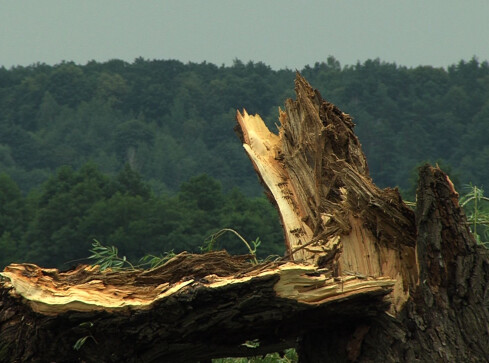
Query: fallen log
194	307
365	278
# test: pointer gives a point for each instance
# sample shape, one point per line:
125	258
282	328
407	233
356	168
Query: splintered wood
195	307
263	148
51	293
317	176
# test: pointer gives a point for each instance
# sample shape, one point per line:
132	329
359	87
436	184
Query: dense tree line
168	120
142	155
171	121
56	224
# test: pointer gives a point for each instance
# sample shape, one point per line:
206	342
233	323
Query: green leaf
255	343
86	324
79	343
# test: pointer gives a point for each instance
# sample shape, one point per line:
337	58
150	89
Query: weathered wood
446	318
156	315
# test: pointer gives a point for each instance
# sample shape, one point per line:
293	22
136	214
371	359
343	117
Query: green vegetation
142	155
81	341
56	224
171	121
289	356
211	242
108	257
477	213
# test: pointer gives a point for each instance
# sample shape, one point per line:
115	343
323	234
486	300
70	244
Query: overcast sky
281	33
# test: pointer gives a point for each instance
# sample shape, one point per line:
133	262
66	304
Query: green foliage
202	192
130	182
288	356
477	212
169	125
81	341
171	121
151	261
55	225
13	219
55	234
108	257
211	242
129	136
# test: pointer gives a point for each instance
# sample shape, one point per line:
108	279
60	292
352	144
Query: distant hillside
171	121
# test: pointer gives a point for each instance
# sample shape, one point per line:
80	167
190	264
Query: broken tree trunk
332	214
364	277
446	318
334	217
194	307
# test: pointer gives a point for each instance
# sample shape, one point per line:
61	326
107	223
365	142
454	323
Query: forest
143	156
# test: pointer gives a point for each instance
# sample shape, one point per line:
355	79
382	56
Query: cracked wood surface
86	288
222	303
332	214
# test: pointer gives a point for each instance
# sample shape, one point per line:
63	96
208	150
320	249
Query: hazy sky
281	33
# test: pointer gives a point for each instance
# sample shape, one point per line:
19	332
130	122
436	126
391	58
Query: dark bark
446	318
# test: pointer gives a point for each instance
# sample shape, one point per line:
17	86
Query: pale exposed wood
263	148
332	213
54	294
157	316
445	318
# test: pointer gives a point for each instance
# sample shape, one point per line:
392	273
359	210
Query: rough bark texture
446	319
364	279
